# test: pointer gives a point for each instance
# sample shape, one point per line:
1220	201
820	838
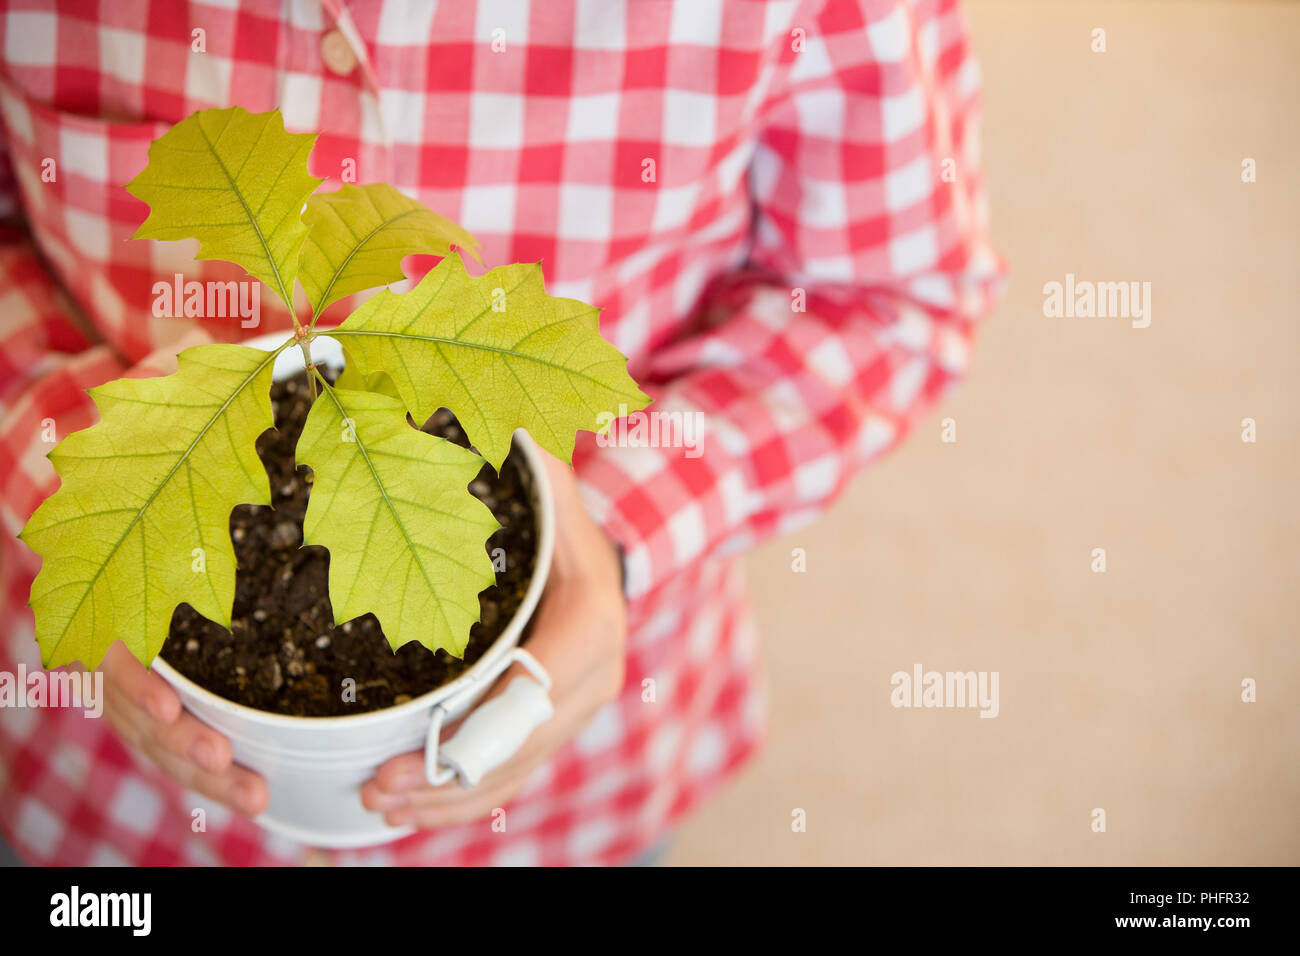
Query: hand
147	714
579	635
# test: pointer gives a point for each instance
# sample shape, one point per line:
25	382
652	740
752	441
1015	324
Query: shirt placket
343	52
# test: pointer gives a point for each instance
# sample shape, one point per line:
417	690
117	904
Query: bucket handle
495	730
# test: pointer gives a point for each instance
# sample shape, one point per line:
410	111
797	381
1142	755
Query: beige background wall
1118	690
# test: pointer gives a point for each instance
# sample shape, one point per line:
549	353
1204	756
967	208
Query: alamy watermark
1082	299
946	689
42	688
209	300
653	429
75	908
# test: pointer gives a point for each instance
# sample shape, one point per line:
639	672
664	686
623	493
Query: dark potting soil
283	653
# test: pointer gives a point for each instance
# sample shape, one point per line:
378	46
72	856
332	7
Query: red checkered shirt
777	204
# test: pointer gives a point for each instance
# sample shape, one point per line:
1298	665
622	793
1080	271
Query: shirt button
337	53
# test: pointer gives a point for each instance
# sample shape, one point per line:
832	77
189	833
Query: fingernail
384	802
246	798
204	754
407	781
158	709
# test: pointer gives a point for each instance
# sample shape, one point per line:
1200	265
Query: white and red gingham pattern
697	168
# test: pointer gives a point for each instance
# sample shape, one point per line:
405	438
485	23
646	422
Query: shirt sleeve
869	268
48	359
46	364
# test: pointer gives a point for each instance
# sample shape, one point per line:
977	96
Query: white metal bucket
314	766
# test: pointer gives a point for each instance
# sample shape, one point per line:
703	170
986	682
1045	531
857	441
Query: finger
401	774
399	794
448	805
186	737
578	693
398	778
400	782
405	773
126	719
185	750
195	741
142	687
448	796
498	786
394	782
381	801
236	787
478	804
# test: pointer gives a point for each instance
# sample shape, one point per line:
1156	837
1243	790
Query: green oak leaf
141	521
497	351
374	382
391	503
237	182
359	235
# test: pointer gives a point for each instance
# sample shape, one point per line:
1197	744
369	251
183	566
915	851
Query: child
777	205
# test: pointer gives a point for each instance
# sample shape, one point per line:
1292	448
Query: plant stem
304	345
324	384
